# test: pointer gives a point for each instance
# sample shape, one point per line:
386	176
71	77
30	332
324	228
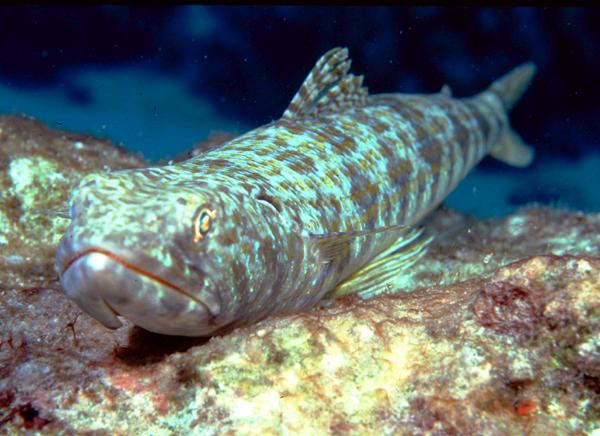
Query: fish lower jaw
105	288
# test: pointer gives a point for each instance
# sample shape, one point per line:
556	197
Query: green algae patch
36	181
38	185
7	228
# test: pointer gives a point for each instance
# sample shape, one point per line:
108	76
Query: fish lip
134	268
109	306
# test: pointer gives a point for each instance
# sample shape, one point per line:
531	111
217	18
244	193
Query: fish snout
106	285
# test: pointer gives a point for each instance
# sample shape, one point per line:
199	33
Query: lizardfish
322	202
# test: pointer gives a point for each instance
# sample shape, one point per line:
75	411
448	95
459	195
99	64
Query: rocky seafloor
499	334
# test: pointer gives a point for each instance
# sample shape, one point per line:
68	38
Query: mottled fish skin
338	161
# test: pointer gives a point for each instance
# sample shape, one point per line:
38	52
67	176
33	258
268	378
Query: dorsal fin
328	87
446	91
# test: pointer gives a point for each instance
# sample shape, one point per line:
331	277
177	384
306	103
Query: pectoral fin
339	247
372	279
59	212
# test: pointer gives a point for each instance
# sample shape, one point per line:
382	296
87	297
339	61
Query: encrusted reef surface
500	334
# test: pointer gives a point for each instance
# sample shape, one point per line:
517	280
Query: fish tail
511	149
512	85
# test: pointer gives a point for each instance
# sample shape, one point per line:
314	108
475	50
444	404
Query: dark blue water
159	79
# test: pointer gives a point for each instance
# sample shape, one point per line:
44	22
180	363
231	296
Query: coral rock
500	332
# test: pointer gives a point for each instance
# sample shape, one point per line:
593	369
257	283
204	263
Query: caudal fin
509	88
512	85
512	150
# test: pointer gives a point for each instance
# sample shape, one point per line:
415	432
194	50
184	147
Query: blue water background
160	79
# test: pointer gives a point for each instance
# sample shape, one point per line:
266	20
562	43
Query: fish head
160	254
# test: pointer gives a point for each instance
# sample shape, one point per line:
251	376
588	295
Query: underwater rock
38	167
500	334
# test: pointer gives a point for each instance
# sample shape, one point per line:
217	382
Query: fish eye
203	220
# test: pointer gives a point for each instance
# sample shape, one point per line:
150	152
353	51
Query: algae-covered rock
38	167
499	334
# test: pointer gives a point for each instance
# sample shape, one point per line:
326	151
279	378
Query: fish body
324	201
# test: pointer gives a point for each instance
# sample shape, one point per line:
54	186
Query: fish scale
324	201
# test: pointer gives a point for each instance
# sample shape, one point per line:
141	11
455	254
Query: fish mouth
132	267
105	285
